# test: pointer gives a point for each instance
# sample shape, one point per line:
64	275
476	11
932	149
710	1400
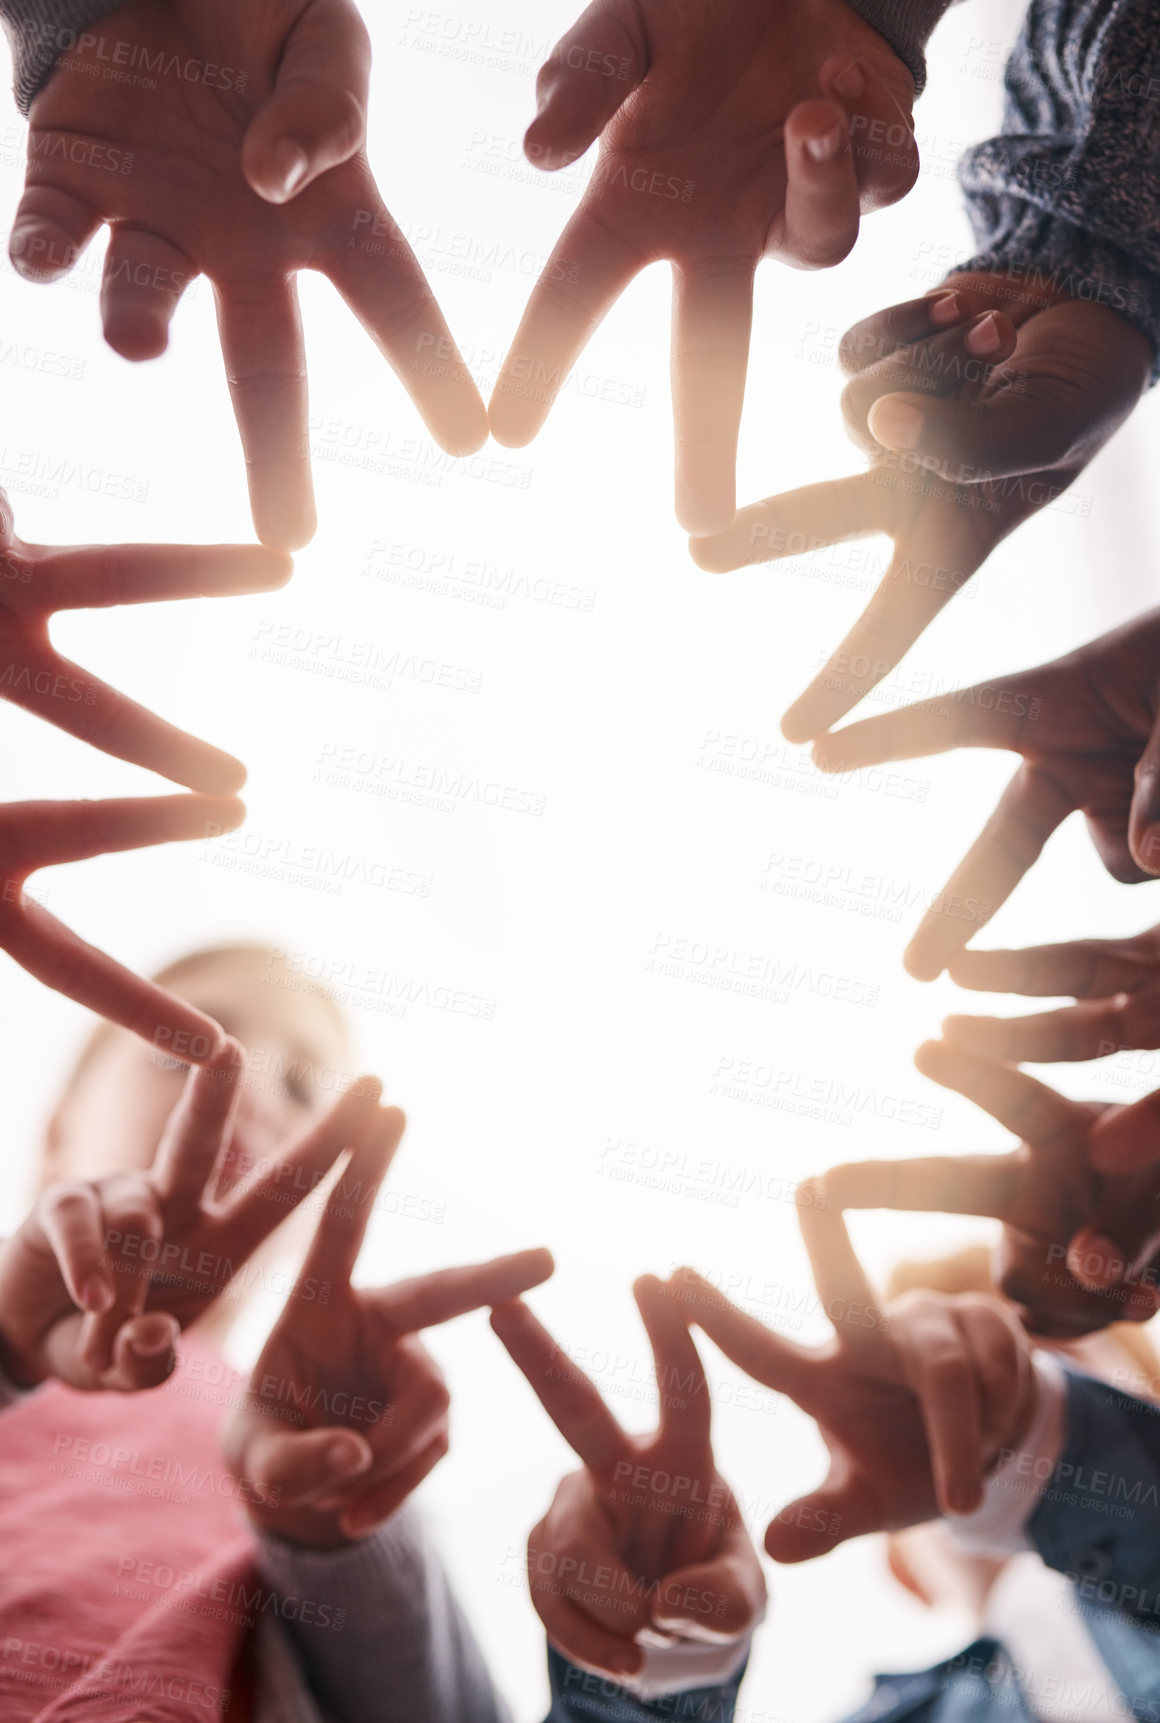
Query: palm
697	167
187	208
1084	725
1055	1207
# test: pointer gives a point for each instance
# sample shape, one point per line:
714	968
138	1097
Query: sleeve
379	1631
1099	1506
581	1697
907	26
998	1525
1066	198
40	30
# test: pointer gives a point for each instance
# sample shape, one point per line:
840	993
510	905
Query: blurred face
117	1110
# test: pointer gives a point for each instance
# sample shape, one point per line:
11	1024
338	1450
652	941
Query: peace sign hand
37	580
913	1402
100	1279
346	1410
644	1545
45	834
729	130
1079	1247
234	148
978	405
1115	984
1088	728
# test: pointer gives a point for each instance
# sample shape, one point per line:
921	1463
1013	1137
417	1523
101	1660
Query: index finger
196	1132
428	1299
685	1409
253	1208
796	523
1030	809
1125	1138
47	834
1079	969
929	1184
572	1402
756	1349
1026	1107
339	1235
845	1289
94	577
712	322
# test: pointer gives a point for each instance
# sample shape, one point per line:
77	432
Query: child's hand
36	581
100	1279
978	405
914	1401
1115	983
1087	728
45	834
246	173
725	131
346	1411
659	1546
1079	1247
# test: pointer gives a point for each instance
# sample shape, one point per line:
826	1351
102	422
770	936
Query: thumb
842	1508
316	117
584	80
295	1468
969	441
1144	818
711	1600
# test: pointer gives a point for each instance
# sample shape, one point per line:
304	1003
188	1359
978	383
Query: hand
100	1279
35	581
914	1402
1079	1247
247	172
346	1411
725	134
45	834
1087	728
978	406
656	1537
1115	983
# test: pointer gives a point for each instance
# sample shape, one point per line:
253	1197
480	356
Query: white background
606	713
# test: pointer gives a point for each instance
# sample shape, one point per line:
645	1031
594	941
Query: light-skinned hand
657	1540
36	580
346	1410
234	149
99	1280
914	1400
729	130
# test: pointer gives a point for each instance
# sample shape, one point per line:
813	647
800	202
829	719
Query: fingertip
277	172
920	964
709	554
1096	1261
799	726
1145	848
895	423
928	1057
705	517
135	337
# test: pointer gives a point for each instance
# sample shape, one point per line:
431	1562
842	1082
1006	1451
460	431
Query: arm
580	1696
380	1632
1065	196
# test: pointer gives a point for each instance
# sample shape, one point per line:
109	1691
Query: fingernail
825	147
850	82
983	337
1096	1261
18	241
292	166
895	424
96	1294
963	1498
1148	849
945	308
152	1338
346	1459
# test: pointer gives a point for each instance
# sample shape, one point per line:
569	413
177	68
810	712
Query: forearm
1065	198
379	1631
38	32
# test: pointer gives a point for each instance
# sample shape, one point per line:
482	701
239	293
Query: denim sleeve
578	1697
1066	198
1096	1520
39	30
